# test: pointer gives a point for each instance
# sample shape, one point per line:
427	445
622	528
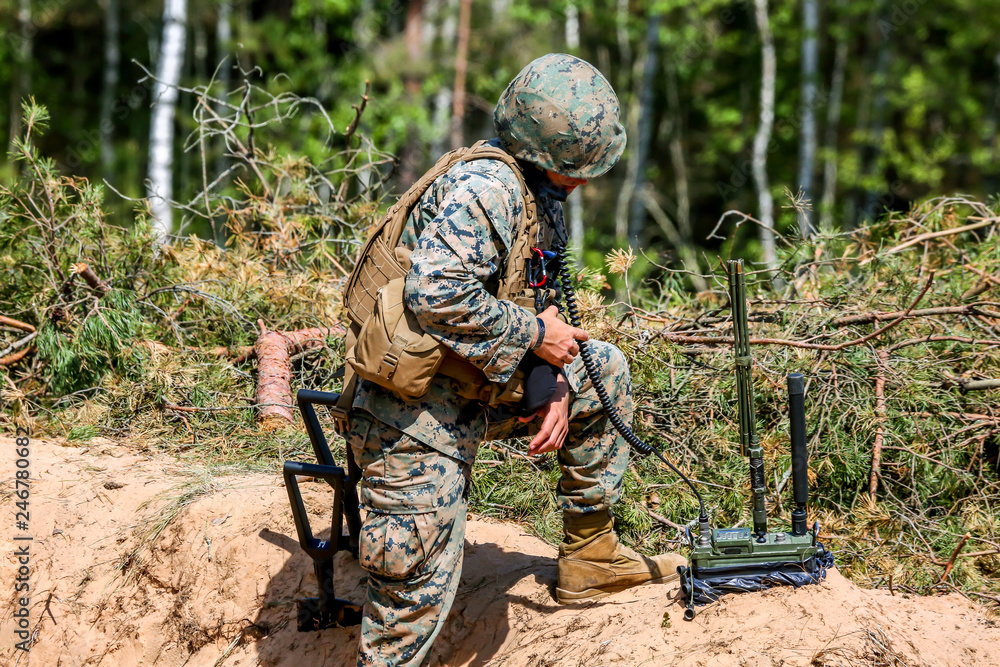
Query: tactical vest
385	344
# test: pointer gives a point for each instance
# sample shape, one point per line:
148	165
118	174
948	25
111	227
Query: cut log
274	350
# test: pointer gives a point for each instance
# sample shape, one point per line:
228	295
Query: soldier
560	118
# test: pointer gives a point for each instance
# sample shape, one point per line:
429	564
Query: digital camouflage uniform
417	456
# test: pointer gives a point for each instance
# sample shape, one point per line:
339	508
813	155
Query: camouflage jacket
460	235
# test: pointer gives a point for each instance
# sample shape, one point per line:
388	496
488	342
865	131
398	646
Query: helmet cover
561	114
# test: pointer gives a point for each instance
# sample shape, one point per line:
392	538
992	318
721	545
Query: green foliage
80	358
139	360
161	325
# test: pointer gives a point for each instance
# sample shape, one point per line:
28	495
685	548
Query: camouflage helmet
561	114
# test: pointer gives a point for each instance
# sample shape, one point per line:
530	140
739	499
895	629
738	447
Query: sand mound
140	560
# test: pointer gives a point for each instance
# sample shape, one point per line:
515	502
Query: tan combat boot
593	564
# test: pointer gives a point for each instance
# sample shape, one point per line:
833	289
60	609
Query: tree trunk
574	213
807	146
676	133
223	56
627	191
274	370
574	203
413	38
994	135
763	136
161	130
461	66
832	124
572	30
20	78
874	143
621	32
225	63
443	18
112	61
645	126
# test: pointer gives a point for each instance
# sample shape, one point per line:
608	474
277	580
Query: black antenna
800	453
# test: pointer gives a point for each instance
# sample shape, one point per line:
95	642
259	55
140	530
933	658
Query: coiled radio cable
590	365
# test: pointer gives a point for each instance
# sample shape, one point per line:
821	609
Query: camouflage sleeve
456	254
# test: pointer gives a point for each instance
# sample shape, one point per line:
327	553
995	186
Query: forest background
873	105
844	131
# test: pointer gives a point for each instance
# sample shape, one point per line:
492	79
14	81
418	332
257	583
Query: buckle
390	360
341	421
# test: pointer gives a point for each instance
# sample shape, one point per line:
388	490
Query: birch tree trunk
574	215
112	62
807	145
572	27
574	203
21	77
461	66
621	31
224	76
832	125
763	136
161	129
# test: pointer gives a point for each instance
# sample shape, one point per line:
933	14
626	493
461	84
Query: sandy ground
217	587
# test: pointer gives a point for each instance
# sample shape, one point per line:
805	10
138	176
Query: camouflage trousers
417	499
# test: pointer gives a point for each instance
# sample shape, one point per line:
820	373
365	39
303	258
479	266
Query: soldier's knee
614	364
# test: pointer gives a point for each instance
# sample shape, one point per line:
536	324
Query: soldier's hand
559	346
555	421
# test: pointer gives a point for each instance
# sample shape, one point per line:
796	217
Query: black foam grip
797	428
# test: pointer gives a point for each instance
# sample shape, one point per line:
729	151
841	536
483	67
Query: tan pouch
393	350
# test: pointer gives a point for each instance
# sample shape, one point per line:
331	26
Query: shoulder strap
378	262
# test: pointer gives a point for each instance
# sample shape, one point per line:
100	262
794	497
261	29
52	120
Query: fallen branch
936	339
17	345
662	519
883	360
954	554
920	238
982	274
274	370
16	324
219	408
17	356
728	340
868	318
238	354
964	384
968	416
88	275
